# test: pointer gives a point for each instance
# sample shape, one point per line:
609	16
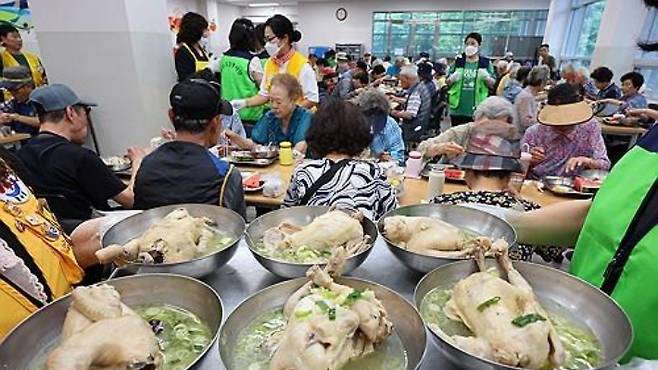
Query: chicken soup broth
252	347
583	349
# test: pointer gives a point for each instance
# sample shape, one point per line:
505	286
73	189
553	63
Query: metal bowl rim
174	264
250	240
494	364
162	274
380	222
274	286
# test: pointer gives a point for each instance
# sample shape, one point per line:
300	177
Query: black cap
362	65
14	77
198	99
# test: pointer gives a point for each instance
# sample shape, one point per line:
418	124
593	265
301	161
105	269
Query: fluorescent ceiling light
262	5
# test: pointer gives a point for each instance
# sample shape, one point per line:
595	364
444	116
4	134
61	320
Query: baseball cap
196	98
14	77
55	97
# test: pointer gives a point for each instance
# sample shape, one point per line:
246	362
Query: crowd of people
334	110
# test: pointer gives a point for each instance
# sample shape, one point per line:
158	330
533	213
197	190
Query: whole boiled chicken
509	325
325	233
89	337
177	237
429	236
328	323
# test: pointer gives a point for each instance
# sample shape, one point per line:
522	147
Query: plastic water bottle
414	165
437	178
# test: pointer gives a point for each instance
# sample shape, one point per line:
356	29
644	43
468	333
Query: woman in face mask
190	55
470	78
280	35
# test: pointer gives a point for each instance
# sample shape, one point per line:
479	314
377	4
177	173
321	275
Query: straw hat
565	107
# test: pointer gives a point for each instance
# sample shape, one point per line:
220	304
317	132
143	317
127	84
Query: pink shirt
583	140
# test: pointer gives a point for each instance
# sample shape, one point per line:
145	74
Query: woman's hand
538	155
576	163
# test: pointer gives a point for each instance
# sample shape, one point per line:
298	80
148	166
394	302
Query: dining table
415	189
632	132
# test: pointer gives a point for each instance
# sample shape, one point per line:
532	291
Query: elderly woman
525	104
286	121
452	142
492	155
339	134
516	83
387	140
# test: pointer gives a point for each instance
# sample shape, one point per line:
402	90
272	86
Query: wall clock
341	14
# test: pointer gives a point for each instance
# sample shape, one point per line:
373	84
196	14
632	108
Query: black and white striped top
359	185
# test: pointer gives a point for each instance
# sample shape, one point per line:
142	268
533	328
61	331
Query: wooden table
632	132
415	190
14	138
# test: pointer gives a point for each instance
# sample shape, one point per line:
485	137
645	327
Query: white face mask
272	48
470	50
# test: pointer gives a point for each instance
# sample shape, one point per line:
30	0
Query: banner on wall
17	13
175	18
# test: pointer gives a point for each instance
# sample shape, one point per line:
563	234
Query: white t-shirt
306	78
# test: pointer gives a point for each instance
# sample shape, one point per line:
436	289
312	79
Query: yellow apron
294	67
199	65
43	239
33	61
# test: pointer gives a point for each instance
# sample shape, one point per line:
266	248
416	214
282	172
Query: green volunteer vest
455	90
611	214
237	84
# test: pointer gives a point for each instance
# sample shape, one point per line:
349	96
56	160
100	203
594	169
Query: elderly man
183	170
417	105
567	139
452	142
17	112
394	70
58	165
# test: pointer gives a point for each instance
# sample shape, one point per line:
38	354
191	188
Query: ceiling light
262	5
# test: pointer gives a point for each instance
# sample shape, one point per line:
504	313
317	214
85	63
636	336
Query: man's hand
538	155
6	118
135	154
449	148
167	134
576	163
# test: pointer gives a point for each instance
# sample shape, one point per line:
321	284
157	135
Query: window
647	63
583	31
441	34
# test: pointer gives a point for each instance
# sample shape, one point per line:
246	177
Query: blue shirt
512	89
24	109
389	140
634	101
612	91
268	128
393	70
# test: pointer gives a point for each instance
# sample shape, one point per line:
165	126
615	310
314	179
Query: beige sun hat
565	107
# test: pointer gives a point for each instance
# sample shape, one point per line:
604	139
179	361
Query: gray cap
55	97
13	77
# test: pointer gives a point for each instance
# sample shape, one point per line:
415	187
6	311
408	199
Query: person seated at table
631	83
516	83
17	113
377	75
395	68
426	77
602	77
567	138
39	264
183	170
387	143
452	142
525	104
286	121
74	179
579	77
492	155
417	105
348	88
340	133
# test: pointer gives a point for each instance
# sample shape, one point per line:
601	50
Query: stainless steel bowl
228	222
31	340
559	292
474	220
563	186
299	216
406	319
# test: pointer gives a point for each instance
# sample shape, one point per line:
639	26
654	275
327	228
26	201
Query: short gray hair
372	100
583	71
494	107
568	68
538	75
409	70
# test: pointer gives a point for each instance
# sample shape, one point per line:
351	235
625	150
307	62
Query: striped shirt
357	186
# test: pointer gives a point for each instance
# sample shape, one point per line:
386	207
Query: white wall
260	15
319	26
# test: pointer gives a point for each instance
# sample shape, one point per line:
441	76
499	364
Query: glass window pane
450	44
400	28
590	29
400	15
451	15
380	27
424	15
451	26
424	28
378	43
380	15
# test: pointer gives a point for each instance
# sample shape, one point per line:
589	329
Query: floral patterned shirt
584	140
